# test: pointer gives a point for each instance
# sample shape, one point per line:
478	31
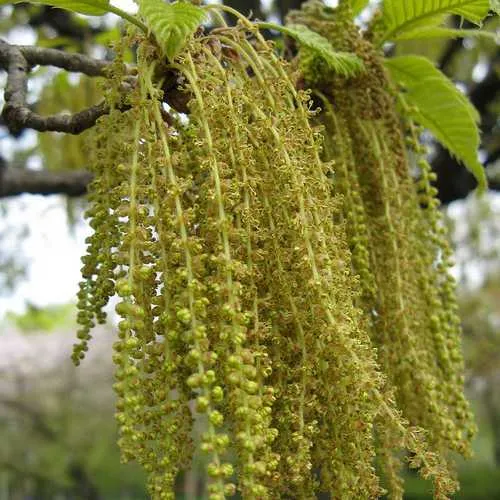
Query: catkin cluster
399	246
282	278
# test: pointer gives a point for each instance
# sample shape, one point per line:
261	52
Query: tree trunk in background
82	487
281	7
284	6
245	7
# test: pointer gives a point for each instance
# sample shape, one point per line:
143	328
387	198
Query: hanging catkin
283	279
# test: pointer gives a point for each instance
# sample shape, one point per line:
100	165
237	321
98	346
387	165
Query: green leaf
315	46
171	24
401	17
441	32
342	63
88	7
436	104
495	6
358	6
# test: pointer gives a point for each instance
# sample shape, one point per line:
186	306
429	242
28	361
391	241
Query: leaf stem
128	17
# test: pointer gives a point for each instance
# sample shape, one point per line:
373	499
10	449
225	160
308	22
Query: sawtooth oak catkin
283	277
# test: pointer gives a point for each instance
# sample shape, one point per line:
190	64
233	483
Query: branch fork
17	61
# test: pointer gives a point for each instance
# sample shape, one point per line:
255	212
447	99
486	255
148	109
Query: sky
51	252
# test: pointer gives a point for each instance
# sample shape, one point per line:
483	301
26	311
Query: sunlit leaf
441	32
436	104
400	17
171	24
317	46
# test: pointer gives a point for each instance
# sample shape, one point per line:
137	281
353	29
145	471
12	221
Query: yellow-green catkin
274	278
399	251
231	290
106	157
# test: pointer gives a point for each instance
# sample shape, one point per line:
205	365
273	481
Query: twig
78	63
17	61
16	181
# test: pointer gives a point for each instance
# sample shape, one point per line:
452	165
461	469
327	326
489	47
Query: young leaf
400	17
358	5
88	7
436	104
171	24
342	63
495	6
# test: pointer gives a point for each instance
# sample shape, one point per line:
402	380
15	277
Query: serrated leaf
342	63
171	24
358	6
436	104
87	7
403	16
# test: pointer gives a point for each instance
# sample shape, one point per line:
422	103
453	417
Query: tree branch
77	63
16	181
17	61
